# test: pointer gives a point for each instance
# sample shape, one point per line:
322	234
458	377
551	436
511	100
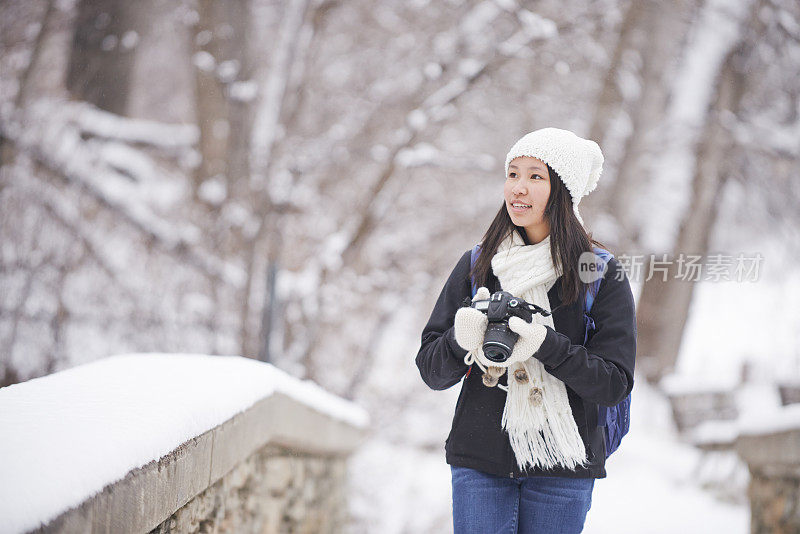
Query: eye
539	175
512	175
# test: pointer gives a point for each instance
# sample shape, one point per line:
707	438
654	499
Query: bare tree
220	59
666	296
666	299
659	41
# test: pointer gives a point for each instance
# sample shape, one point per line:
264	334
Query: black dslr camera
498	342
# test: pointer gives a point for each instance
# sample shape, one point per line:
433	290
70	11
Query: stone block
774	490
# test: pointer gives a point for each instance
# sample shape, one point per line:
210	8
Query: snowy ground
651	485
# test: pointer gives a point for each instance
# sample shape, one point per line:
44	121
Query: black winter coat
601	373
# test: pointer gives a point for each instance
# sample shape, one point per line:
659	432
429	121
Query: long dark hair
568	240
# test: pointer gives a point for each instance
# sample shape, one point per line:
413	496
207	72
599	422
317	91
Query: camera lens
498	341
496	352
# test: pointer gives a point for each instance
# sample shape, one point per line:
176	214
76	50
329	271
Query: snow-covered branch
99	123
427	155
433	110
763	134
69	217
47	133
275	85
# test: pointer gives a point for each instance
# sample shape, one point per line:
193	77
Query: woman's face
528	182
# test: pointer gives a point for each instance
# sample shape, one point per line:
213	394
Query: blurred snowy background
294	180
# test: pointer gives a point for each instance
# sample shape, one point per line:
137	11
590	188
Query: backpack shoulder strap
615	420
605	256
476	250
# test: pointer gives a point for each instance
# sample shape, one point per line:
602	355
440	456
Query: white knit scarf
540	425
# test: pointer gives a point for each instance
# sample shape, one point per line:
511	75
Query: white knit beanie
578	161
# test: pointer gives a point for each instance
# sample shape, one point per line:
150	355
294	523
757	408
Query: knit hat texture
578	161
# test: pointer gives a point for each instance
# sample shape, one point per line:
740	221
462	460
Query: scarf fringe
542	434
545	436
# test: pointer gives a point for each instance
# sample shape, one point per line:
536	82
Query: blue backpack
615	420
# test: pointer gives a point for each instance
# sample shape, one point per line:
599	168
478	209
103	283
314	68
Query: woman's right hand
470	324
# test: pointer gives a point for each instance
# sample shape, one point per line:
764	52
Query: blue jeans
488	504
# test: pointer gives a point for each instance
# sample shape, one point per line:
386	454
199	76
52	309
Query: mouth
519	207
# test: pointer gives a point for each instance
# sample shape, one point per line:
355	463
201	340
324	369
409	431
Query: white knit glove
531	336
470	324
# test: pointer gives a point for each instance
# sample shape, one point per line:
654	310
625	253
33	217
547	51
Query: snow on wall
785	419
67	435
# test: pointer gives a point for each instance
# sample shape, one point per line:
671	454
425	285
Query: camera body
499	340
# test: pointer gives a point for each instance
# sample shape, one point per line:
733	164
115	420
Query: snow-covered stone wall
274	490
770	445
174	442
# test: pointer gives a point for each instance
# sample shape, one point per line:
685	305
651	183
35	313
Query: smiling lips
519	207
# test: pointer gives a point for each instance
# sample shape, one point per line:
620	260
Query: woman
525	445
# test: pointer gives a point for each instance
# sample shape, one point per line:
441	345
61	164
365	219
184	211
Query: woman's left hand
531	336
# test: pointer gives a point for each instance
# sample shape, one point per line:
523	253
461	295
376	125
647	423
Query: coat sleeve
602	371
440	358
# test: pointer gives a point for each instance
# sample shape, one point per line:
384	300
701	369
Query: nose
519	189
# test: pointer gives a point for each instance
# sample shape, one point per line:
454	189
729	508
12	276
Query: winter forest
293	181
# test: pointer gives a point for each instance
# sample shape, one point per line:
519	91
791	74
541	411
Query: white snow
243	91
129	40
651	484
536	26
417	119
477	19
100	123
780	420
204	61
432	70
676	384
227	70
760	131
714	433
274	83
762	313
469	67
418	155
69	434
49	130
651	488
214	190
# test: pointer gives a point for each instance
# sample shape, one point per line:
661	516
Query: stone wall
774	492
275	490
790	393
277	467
775	503
690	409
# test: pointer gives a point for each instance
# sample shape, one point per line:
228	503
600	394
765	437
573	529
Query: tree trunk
219	55
272	110
663	307
163	78
610	98
102	54
655	39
